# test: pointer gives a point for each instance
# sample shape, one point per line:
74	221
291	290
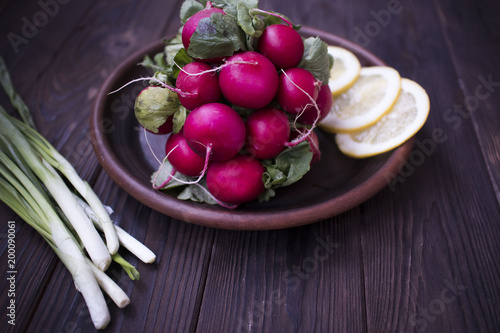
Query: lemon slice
373	94
402	122
345	70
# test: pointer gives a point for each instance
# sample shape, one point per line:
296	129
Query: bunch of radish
240	115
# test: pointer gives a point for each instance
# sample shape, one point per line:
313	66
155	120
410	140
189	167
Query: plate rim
233	219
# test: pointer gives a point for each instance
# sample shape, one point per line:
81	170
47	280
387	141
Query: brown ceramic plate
334	185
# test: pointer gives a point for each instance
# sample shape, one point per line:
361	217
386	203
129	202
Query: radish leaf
216	36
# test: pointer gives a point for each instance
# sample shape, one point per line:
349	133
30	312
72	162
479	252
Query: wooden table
420	256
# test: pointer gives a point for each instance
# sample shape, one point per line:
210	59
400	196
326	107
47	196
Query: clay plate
334	185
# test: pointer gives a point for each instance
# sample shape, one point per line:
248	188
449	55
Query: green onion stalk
55	185
44	189
128	241
19	193
56	160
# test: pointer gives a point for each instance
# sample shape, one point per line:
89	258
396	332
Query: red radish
237	180
314	143
200	84
182	157
192	23
267	131
248	79
215	129
313	140
324	103
296	88
282	44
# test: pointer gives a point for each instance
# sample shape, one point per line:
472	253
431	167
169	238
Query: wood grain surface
420	256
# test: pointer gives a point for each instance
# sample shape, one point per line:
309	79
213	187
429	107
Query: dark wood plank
435	251
479	80
31	47
34	265
479	77
5	4
302	279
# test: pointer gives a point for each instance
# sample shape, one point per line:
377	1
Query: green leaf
160	176
160	60
271	19
179	119
248	3
167	63
194	192
197	193
180	60
148	62
172	46
267	195
159	65
288	167
216	36
230	6
258	23
316	59
245	19
160	76
230	9
189	8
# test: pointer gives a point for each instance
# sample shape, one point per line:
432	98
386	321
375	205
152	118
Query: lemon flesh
404	119
373	94
345	70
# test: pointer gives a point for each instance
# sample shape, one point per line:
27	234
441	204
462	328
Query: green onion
109	286
131	271
126	240
15	99
54	158
59	191
45	190
23	197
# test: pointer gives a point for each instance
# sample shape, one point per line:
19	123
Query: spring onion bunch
44	189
